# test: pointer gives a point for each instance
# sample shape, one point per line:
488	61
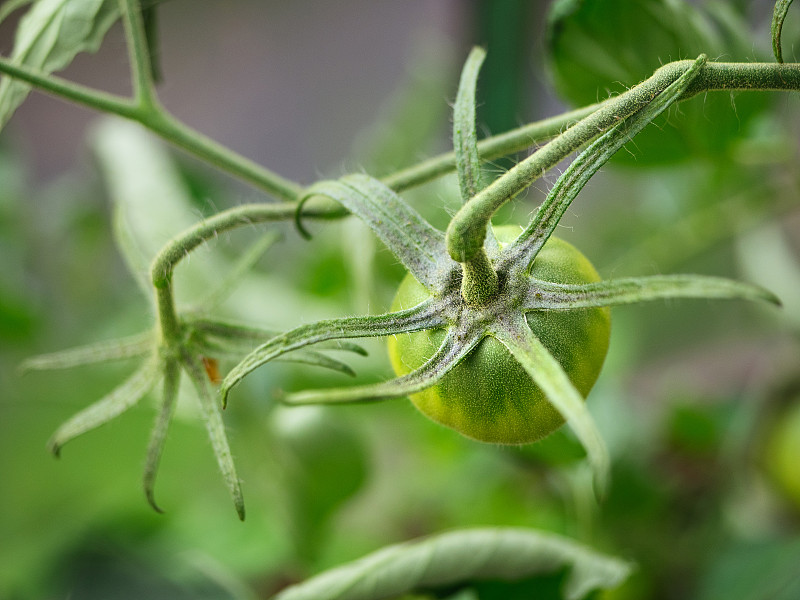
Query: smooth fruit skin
782	453
489	396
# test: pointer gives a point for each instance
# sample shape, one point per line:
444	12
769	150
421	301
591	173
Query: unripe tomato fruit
782	453
489	396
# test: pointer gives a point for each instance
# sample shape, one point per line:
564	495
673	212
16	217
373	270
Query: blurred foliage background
699	401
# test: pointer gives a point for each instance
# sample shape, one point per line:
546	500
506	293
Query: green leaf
461	557
10	6
597	47
49	37
151	201
778	16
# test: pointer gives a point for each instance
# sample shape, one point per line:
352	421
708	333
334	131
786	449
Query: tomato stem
467	230
479	283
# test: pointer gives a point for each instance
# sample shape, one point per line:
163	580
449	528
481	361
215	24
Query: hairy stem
715	77
168	257
467	230
74	92
497	146
222	157
479	283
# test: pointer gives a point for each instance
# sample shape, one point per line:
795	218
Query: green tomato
488	396
782	453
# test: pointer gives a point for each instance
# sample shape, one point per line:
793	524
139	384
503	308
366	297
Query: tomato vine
477	288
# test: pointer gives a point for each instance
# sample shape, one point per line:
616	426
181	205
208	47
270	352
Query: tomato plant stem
144	91
249	214
467	229
496	146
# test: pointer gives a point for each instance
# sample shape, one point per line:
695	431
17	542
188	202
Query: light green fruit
782	453
489	396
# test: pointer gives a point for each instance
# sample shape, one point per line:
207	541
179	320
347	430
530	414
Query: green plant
473	297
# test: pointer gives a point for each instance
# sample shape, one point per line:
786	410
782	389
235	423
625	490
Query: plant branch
161	123
144	89
74	92
176	132
497	146
168	257
467	229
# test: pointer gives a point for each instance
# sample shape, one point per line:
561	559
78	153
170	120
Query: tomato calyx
473	315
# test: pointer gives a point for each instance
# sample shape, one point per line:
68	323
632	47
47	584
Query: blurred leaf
547	587
767	257
10	6
755	572
152	204
49	36
601	46
503	27
696	430
557	449
416	108
462	557
324	464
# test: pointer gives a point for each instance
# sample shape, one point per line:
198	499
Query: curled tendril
298	218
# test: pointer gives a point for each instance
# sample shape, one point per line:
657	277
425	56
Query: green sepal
98	352
216	430
123	397
465	139
422	316
317	359
235	333
456	345
158	436
560	296
416	243
778	17
515	334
